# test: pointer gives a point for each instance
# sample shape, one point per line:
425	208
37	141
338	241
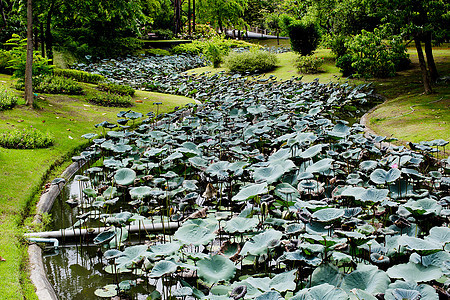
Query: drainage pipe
53	241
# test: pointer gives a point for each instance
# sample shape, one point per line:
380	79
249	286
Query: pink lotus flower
394	166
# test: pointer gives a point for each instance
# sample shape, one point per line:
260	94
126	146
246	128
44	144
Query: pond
272	195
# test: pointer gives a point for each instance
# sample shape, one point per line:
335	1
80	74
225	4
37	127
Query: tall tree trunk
48	34
423	67
42	39
29	63
3	13
434	75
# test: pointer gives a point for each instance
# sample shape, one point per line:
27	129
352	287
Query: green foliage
156	51
7	98
254	61
5	62
56	85
304	37
19	56
196	47
110	99
80	76
215	50
371	56
118	89
337	44
309	64
165	34
27	138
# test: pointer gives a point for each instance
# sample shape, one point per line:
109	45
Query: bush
164	34
304	37
251	61
7	98
198	47
110	100
56	85
80	76
215	50
5	62
118	89
309	64
27	138
195	48
156	51
344	63
337	45
372	57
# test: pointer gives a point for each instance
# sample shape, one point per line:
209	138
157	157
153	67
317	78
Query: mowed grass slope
66	118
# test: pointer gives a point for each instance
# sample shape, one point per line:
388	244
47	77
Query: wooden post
29	63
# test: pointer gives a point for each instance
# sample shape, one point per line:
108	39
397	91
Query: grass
408	114
23	172
431	116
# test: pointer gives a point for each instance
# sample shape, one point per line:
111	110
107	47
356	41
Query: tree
420	20
29	65
221	13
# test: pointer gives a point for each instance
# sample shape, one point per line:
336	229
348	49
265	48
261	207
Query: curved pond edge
38	275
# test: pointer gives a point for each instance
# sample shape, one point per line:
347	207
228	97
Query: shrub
7	98
309	64
215	50
27	138
198	47
337	45
80	76
195	48
56	85
110	100
251	61
5	62
344	63
304	37
372	57
156	51
165	34
118	89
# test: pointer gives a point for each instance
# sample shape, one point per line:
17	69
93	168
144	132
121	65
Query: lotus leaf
400	290
423	207
421	246
165	249
239	224
259	244
125	176
250	191
284	281
311	151
194	234
380	176
104	237
140	192
367	278
326	274
323	292
216	268
327	215
107	291
414	272
321	166
162	268
271	295
269	174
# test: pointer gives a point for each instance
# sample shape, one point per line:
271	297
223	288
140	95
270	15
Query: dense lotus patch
272	196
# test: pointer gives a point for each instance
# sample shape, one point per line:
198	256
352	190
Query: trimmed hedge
110	100
114	88
80	76
256	61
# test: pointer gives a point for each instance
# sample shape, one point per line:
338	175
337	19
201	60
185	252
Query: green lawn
23	172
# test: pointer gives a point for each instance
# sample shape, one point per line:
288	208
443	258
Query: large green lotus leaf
419	245
252	291
162	268
110	193
284	281
237	168
320	166
423	207
219	169
120	237
271	295
437	259
125	176
368	165
298	255
104	237
194	234
215	269
286	191
328	274
257	109
328	214
165	249
140	192
262	283
269	174
172	157
250	191
340	130
107	291
281	154
132	256
357	294
311	151
398	290
199	162
367	278
239	224
380	176
401	189
373	195
439	235
414	272
260	243
90	192
324	291
182	292
121	148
